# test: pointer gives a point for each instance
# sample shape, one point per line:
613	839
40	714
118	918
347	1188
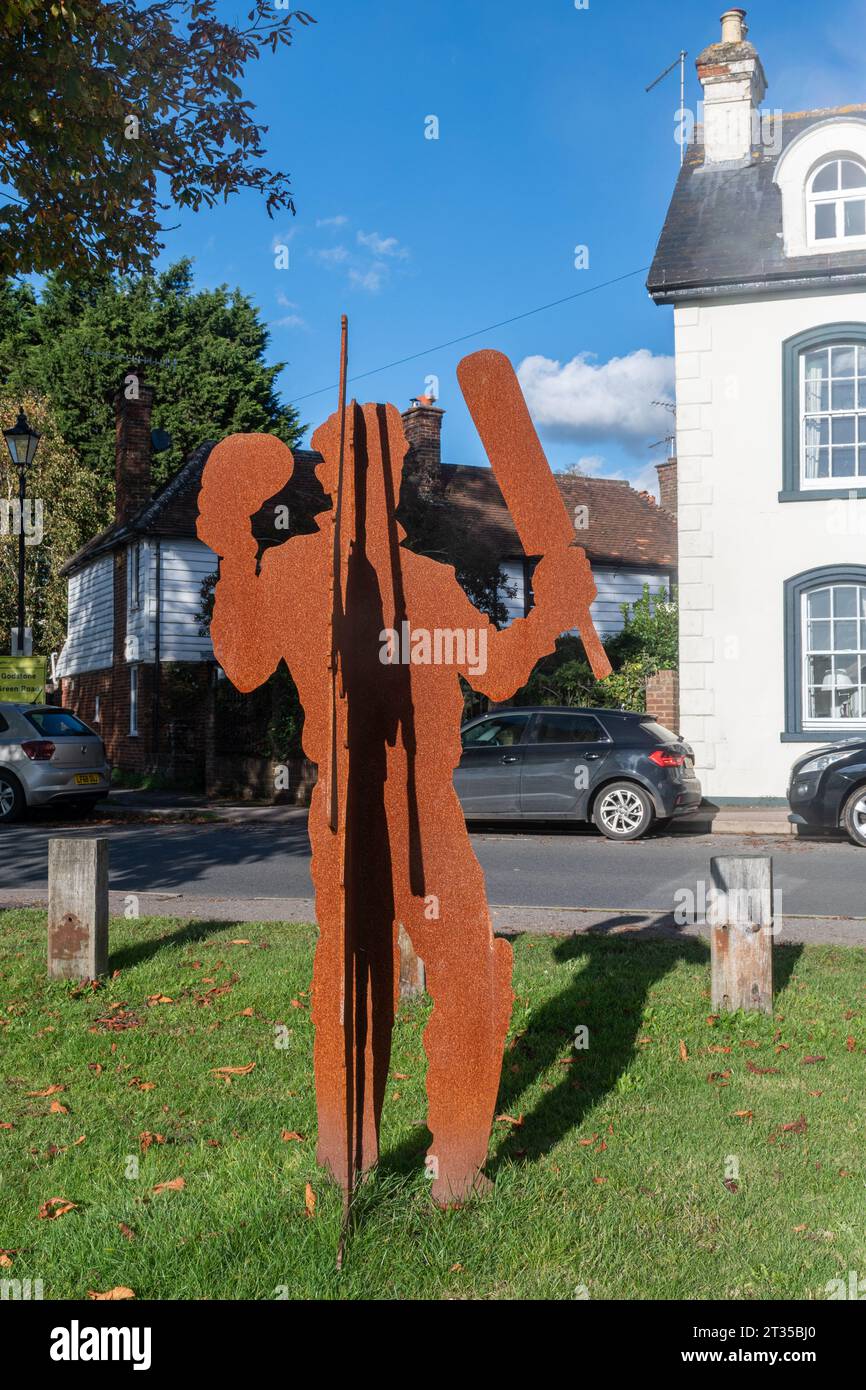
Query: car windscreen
56	723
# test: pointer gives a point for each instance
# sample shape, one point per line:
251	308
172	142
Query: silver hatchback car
48	756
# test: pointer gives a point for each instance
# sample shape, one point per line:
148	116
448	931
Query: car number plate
87	779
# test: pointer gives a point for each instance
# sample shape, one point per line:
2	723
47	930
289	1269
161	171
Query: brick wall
422	424
667	472
132	407
663	699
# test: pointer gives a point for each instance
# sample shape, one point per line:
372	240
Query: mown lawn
614	1179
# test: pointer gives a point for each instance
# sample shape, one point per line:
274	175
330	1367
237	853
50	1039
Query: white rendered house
763	258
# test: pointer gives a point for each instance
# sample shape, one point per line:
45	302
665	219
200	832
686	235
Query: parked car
622	771
827	789
49	757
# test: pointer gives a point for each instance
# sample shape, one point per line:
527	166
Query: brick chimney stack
734	86
132	407
422	424
667	472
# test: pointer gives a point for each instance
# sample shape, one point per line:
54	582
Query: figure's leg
349	1092
469	979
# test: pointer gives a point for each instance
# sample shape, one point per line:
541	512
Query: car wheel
623	811
11	798
854	817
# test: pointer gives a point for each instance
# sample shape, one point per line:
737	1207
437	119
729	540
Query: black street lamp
22	443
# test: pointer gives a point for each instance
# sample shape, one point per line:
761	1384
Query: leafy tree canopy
109	106
201	350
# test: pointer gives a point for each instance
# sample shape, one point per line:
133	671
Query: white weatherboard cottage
763	257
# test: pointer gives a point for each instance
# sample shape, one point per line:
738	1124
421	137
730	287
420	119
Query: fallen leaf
809	1061
718	1075
744	1114
401	1076
56	1108
233	1071
797	1126
749	1043
761	1071
159	999
816	1093
684	1052
5	1260
310	1200
509	1120
731	1185
146	1139
174	1185
288	1134
7	1124
54	1207
716	1047
95	1067
115	1294
125	1230
850	1043
599	1180
455	1269
712	1019
241	941
51	1091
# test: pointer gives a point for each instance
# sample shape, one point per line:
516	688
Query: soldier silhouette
388	836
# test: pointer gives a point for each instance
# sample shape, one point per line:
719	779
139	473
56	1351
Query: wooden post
740	913
412	975
77	909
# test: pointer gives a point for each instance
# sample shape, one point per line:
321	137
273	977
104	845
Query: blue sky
547	141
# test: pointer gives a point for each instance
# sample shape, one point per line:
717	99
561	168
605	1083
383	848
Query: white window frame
133	702
834	722
135	576
838	197
856	479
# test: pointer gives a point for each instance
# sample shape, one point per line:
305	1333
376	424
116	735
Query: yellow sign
22	679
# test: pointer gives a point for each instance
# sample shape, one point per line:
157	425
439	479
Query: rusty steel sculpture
382	723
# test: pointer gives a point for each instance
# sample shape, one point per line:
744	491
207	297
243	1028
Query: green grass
660	1224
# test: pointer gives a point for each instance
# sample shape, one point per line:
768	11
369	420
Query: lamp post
22	443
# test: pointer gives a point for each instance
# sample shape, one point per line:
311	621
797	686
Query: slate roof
722	234
626	528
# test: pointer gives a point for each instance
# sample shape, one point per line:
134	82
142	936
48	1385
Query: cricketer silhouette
388	835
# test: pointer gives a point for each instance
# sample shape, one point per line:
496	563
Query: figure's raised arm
241	473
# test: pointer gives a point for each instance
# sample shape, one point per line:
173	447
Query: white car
48	757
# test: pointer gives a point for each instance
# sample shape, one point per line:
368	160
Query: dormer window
837	202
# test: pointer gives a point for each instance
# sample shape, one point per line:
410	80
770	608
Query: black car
828	789
620	770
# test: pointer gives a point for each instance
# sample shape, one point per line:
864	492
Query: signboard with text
22	679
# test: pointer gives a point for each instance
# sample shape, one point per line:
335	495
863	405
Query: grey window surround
823	336
794	590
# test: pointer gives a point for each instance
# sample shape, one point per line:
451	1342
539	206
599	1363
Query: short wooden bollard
740	912
77	909
412	973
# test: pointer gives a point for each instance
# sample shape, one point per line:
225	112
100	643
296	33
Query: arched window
837	202
826	651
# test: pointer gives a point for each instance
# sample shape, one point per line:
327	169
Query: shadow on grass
135	953
609	995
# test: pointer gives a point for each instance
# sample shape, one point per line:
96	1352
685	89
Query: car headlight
824	760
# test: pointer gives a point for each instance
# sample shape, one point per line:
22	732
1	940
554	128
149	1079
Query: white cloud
290	321
370	280
331	255
584	400
284	302
382	245
339	221
642	479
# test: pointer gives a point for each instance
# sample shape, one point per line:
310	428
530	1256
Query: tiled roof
724	225
625	527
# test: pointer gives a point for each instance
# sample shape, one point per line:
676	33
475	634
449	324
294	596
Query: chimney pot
734	27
